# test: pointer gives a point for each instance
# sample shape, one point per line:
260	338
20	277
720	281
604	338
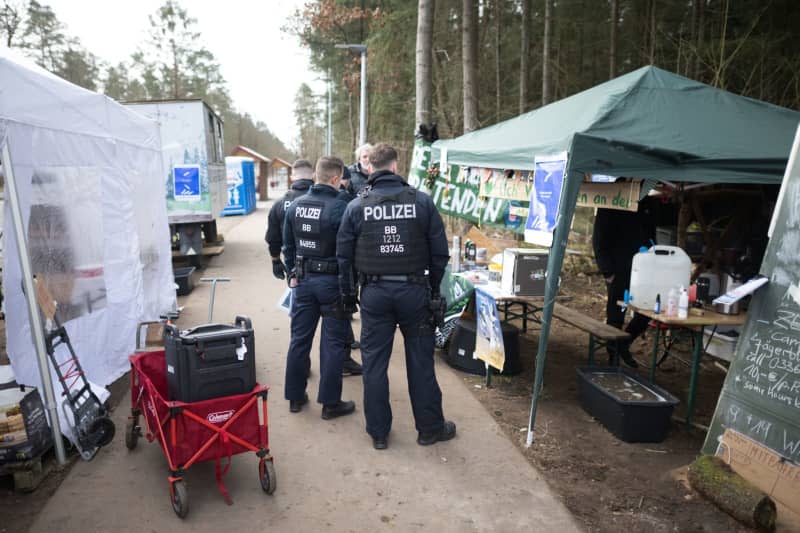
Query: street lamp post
362	122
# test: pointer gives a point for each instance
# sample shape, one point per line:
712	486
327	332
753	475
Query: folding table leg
655	353
697	354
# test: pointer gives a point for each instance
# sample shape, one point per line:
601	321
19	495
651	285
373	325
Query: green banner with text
457	193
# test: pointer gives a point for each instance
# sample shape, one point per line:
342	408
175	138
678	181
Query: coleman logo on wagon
308	212
390	212
220	416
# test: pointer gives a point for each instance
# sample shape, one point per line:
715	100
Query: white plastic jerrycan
656	271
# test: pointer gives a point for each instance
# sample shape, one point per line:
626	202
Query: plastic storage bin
184	279
462	348
630	407
210	361
656	271
722	344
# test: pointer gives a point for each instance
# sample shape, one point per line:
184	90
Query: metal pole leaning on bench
213	282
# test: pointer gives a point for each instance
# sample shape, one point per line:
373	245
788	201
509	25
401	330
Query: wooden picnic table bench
600	333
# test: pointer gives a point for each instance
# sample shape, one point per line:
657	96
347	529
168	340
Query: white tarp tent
91	187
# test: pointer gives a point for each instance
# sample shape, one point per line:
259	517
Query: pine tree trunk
498	10
612	48
424	61
469	48
548	8
524	55
700	37
652	32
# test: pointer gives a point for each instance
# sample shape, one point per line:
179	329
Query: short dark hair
381	156
328	167
302	163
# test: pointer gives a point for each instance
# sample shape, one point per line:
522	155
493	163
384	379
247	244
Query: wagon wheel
180	498
132	432
266	474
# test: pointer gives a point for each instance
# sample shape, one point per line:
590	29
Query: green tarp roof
649	123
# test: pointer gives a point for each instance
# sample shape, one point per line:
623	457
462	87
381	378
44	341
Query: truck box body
194	165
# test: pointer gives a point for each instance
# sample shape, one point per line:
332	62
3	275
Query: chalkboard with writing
761	395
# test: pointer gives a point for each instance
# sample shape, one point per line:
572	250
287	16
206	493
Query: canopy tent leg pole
37	329
566	209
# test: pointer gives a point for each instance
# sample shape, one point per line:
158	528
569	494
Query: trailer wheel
180	499
132	433
266	474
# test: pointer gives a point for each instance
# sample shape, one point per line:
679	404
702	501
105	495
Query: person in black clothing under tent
617	237
302	180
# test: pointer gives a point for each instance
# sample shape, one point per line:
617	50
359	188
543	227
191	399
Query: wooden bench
600	333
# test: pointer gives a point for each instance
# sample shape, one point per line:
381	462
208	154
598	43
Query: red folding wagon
190	433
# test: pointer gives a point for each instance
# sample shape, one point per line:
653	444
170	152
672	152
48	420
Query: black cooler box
210	361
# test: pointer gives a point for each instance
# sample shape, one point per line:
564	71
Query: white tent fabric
92	172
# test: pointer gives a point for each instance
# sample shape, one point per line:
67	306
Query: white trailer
194	166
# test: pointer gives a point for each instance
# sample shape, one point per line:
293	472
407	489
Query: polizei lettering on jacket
390	212
308	212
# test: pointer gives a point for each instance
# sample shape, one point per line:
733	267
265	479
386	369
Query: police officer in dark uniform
309	237
302	173
350	367
394	237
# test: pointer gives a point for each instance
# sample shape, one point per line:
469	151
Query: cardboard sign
622	195
762	467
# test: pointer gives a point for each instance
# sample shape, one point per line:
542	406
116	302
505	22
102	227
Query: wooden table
695	324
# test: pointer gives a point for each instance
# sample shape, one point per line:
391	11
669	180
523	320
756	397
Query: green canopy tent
649	123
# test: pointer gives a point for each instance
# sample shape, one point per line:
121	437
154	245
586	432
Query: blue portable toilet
241	177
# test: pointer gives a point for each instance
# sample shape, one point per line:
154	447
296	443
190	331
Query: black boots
340	408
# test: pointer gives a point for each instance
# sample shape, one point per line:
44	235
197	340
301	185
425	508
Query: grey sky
263	66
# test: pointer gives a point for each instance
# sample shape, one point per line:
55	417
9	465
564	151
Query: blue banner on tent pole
548	179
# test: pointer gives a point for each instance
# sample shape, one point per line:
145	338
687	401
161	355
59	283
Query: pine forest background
517	54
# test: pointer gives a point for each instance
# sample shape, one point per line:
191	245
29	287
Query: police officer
302	173
309	237
359	171
350	367
394	237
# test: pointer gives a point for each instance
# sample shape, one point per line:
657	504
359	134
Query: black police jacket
358	177
385	183
312	222
277	215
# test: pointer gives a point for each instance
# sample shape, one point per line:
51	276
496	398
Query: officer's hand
350	303
278	270
438	307
292	281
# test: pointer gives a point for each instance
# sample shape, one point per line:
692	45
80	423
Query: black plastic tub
184	279
462	347
629	406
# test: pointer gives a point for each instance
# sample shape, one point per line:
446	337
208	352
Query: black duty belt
399	278
320	267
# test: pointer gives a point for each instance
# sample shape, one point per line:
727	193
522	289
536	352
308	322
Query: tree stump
732	493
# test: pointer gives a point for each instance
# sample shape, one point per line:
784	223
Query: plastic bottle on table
683	304
672	302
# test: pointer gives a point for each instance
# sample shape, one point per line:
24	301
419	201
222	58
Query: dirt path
329	477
